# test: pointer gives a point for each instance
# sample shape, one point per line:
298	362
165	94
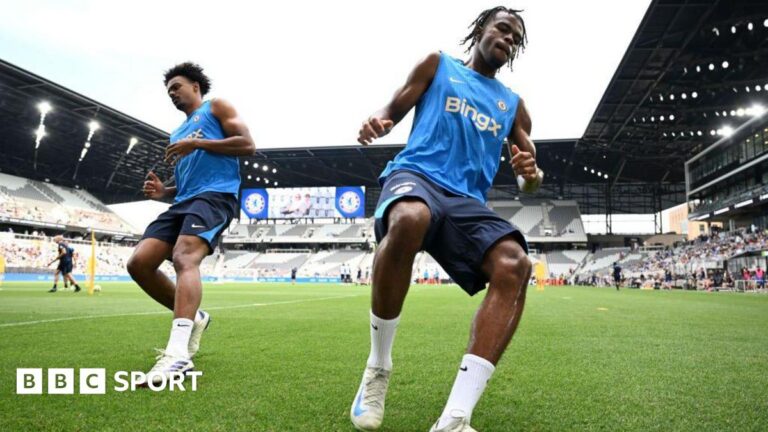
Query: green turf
652	361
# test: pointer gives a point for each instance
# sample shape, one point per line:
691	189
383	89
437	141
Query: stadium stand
708	262
602	260
23	200
564	262
544	221
301	233
278	262
31	254
328	263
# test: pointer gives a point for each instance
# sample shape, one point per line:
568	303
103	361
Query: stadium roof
694	63
693	72
106	170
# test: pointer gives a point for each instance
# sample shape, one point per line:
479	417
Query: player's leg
144	268
477	247
55	280
508	269
188	253
68	277
407	223
199	225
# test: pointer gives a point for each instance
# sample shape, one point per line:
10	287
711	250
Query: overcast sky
306	73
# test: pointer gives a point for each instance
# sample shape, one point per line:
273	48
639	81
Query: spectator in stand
436	275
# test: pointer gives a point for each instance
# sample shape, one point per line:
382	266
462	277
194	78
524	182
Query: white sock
382	337
473	375
181	329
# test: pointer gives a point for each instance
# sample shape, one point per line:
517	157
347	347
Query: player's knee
136	265
514	266
517	268
185	259
408	223
181	260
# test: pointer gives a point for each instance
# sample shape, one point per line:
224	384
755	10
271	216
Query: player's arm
62	253
238	141
523	151
405	98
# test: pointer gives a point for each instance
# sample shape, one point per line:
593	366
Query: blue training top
69	252
460	125
203	171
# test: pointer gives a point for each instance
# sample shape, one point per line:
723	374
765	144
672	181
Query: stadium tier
301	233
544	221
33	203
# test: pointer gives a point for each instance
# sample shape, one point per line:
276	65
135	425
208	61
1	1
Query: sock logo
463	368
481	121
375	327
182	325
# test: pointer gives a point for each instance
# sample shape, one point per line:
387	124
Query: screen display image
306	202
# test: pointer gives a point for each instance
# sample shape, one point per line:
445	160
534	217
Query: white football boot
459	423
368	407
198	328
168	365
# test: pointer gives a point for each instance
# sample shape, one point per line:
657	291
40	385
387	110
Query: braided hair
478	25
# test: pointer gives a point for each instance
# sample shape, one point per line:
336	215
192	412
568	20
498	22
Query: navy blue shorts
462	228
65	267
206	215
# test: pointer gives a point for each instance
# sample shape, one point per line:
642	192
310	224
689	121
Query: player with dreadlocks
433	198
479	24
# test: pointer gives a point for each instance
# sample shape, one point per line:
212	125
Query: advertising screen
306	202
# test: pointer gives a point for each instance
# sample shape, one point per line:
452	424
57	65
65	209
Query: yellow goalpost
2	270
92	264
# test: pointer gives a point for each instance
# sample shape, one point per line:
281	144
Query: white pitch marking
22	323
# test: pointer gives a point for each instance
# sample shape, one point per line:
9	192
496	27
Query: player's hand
373	128
153	187
524	164
179	149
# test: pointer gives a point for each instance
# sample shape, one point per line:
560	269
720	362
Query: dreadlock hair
191	71
478	25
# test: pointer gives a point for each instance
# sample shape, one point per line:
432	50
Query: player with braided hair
433	198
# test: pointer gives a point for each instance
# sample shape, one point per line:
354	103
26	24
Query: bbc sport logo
61	381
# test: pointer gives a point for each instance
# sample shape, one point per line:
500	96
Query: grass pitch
279	357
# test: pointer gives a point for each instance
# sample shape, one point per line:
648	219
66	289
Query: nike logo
455	81
463	368
183	325
374	327
358	411
198	226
